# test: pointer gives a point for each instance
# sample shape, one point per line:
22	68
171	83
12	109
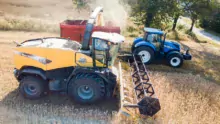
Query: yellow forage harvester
84	71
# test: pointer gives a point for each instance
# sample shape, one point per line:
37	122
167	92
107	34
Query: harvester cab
84	71
103	50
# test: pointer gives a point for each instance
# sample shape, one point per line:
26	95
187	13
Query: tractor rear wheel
146	53
33	87
175	60
86	88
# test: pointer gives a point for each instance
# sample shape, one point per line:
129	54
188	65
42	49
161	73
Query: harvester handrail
121	87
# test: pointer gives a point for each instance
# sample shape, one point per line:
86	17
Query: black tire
86	88
138	50
175	60
33	87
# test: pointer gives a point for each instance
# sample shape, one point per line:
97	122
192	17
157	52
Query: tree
80	4
196	9
151	12
212	21
176	12
148	8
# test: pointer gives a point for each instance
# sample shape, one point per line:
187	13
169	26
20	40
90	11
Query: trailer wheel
86	88
175	60
32	87
146	53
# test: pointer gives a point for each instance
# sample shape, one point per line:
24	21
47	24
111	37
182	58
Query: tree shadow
204	62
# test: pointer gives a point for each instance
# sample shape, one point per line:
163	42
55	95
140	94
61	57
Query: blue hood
171	45
138	40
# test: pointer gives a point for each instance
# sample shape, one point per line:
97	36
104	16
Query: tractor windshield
152	37
155	39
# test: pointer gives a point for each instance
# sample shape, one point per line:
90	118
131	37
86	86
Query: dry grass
184	97
27	24
205	53
177	36
205	61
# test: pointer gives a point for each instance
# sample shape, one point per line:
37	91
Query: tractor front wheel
175	60
146	53
86	88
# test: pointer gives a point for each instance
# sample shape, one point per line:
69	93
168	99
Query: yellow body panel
60	58
21	61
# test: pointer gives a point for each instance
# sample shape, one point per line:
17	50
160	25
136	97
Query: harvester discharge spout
89	28
145	97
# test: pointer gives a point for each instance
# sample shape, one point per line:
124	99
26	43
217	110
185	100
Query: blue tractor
155	46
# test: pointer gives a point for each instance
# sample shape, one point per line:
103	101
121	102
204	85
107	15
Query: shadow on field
204	62
56	100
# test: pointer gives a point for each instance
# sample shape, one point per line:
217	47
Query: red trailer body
75	29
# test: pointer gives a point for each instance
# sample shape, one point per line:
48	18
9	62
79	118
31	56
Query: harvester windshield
114	48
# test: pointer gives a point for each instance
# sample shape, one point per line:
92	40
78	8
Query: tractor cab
158	39
155	37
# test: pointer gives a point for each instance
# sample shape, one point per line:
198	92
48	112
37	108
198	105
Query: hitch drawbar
145	98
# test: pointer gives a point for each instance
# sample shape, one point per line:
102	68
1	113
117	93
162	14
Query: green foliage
180	27
131	29
80	4
196	9
212	21
157	13
153	13
133	35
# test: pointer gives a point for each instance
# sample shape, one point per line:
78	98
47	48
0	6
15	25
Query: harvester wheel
86	88
146	53
175	60
32	87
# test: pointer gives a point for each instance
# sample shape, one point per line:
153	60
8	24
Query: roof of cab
153	30
112	37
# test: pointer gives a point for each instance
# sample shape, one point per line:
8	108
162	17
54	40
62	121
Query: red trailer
75	29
